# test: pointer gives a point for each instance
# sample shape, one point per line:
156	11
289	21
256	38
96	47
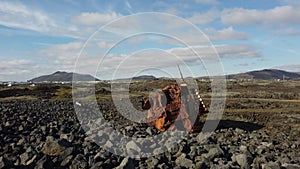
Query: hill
61	76
144	77
266	74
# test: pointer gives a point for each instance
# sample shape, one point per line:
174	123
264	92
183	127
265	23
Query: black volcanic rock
60	76
226	147
266	74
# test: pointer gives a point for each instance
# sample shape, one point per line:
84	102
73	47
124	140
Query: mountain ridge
144	77
266	74
62	76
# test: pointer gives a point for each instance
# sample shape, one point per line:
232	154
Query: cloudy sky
122	38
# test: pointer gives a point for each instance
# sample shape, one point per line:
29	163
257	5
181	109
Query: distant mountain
266	74
60	76
144	77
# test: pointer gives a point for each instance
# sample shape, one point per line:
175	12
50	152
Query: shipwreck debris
175	102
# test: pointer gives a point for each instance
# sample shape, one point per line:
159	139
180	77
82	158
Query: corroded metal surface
172	103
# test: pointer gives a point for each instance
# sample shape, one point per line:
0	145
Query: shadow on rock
247	126
226	124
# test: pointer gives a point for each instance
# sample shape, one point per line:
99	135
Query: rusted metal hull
175	106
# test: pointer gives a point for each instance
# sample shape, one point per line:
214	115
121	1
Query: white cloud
94	18
213	35
62	51
16	69
62	56
289	67
281	16
207	2
90	22
287	31
138	39
104	44
292	2
168	25
18	15
127	64
225	34
204	18
15	63
224	51
237	51
171	8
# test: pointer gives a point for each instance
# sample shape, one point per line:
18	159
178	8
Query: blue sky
41	37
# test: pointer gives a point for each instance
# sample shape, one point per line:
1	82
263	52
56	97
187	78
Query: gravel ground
47	134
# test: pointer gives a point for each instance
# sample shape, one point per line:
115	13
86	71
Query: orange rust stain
167	106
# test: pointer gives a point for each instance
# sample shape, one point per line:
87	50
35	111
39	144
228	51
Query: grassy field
242	96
